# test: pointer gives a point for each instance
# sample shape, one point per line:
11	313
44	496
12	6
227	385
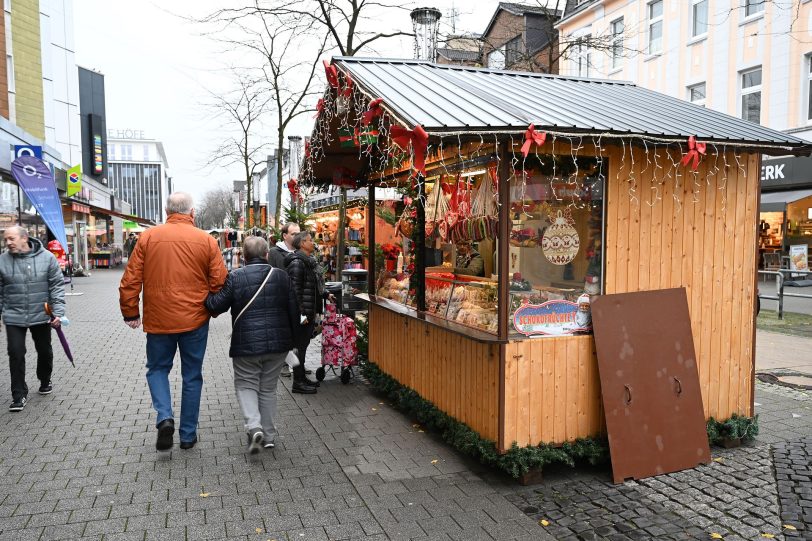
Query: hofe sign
125	134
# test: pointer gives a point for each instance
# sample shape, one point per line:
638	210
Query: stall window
655	27
751	95
556	253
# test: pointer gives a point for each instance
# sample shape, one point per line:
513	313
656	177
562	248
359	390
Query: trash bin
353	281
335	289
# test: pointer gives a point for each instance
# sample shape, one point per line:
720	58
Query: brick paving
81	463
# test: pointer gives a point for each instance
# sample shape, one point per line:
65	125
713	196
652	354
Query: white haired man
176	265
29	277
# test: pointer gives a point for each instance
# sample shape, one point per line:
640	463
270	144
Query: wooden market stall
569	188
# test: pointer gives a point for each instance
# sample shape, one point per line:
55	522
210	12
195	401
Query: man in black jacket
262	336
277	254
308	282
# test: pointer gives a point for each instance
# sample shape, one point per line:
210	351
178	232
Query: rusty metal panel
650	383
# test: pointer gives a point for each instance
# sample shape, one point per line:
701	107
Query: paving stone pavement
793	472
81	463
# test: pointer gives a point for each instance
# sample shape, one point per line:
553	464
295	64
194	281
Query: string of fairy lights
649	167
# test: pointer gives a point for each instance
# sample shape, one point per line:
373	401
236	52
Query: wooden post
420	248
503	244
342	233
371	240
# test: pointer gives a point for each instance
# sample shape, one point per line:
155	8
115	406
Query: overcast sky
158	67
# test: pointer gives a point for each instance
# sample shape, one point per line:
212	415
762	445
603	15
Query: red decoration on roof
419	140
694	151
531	137
332	74
375	110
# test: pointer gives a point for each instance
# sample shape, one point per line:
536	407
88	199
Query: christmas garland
517	461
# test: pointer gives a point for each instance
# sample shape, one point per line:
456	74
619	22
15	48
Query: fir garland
517	461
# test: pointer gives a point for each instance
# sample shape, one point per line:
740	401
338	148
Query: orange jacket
177	265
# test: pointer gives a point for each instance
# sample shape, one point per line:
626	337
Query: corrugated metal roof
444	98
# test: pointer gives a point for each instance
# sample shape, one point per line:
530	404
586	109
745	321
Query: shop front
508	232
785	213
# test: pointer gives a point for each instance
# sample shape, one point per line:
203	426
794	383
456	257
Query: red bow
532	136
307	149
694	150
419	140
332	74
375	110
319	107
293	188
348	84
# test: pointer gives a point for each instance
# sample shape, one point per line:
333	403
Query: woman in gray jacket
29	277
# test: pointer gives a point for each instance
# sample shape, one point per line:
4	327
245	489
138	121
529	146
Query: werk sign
36	180
554	318
784	173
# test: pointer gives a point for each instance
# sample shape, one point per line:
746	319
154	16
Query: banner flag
74	184
36	180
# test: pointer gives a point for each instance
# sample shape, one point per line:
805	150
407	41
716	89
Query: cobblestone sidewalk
81	463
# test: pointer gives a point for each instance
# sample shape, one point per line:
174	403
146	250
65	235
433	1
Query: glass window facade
618	28
140	185
655	27
751	95
699	13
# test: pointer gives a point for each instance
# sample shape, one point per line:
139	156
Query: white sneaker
254	441
268	445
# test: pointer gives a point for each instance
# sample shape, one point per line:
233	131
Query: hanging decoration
375	110
344	178
417	138
293	188
332	74
560	242
694	151
532	137
347	138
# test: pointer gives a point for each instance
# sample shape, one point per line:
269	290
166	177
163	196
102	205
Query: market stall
526	196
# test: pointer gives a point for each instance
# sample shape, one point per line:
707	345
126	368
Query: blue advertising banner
27	150
35	178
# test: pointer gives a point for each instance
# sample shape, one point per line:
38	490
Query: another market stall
527	196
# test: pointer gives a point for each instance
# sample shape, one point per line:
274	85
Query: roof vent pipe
425	23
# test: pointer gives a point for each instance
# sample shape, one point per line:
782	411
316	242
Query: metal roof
445	98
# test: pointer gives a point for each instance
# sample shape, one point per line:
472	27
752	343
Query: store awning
777	201
140	221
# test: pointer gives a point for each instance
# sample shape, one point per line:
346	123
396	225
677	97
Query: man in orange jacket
176	265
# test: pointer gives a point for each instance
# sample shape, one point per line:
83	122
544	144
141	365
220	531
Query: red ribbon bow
348	84
332	74
419	140
694	150
531	136
307	149
375	110
293	188
319	107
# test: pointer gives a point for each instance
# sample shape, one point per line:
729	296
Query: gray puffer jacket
27	282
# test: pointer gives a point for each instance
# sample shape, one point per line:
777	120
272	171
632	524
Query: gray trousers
255	380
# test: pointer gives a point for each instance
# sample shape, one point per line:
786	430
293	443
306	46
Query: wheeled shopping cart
338	345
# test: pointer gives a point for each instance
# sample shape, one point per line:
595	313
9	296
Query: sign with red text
552	318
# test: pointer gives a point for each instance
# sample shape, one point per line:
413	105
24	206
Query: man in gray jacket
29	277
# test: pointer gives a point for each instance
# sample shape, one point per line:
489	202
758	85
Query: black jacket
267	325
307	281
276	256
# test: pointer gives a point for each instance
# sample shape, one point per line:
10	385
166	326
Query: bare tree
242	112
216	209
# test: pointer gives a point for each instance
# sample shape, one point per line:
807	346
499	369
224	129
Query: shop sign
552	318
798	257
77	207
782	173
129	225
125	134
97	154
27	150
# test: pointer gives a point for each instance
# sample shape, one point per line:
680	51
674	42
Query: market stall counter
508	232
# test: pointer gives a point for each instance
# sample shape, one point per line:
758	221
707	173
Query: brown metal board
649	383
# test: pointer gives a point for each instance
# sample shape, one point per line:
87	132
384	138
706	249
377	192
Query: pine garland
517	461
737	427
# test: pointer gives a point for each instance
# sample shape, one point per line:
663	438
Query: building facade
138	172
748	58
521	37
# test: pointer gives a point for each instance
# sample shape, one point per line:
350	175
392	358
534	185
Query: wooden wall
552	391
459	376
698	232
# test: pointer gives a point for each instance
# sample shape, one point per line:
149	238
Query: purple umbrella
61	336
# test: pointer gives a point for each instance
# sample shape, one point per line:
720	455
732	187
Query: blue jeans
160	356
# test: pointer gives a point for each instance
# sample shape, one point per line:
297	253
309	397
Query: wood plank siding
459	376
666	227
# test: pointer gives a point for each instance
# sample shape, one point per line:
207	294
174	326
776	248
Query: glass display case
469	302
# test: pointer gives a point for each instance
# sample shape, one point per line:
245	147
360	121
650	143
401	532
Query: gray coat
27	282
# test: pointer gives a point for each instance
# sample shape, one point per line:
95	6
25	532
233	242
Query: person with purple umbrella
29	278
